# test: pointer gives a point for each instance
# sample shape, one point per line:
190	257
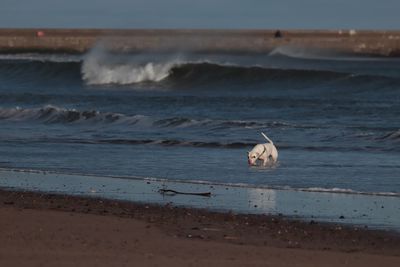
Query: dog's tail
266	137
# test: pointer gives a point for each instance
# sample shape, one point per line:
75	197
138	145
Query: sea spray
102	67
95	72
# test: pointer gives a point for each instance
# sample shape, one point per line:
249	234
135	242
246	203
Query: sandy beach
47	230
346	41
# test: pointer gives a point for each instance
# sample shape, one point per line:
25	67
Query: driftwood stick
165	191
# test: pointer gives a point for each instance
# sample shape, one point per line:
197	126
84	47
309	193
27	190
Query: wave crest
395	135
96	72
53	114
104	67
183	71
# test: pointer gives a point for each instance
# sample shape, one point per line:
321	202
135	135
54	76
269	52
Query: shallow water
366	211
192	117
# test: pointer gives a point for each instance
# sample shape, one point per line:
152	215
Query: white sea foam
97	72
102	67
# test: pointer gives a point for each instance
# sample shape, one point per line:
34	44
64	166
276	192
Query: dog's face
252	157
254	154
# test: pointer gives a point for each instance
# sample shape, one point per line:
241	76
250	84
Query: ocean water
193	116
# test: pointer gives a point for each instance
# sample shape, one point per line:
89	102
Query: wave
50	114
191	74
195	144
180	70
282	64
54	114
174	71
160	142
312	53
394	136
214	73
95	72
304	53
217	144
100	67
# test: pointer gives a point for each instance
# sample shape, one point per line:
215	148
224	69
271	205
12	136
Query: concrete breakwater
348	42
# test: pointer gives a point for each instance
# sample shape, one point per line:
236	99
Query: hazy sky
310	14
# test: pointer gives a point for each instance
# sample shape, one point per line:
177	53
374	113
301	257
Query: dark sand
53	230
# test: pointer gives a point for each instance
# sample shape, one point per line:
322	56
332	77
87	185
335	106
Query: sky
224	14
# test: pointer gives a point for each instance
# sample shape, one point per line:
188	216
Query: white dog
263	152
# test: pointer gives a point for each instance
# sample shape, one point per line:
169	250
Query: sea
181	116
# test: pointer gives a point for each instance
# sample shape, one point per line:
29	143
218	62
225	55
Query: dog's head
254	154
252	157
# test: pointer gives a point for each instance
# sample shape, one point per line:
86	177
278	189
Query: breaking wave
57	115
53	114
112	120
178	70
284	63
188	74
95	72
194	73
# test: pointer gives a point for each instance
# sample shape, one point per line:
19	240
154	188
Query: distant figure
278	34
39	33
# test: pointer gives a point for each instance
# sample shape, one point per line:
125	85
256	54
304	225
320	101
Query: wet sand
377	212
56	230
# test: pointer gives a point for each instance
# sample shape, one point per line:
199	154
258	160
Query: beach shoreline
346	42
32	221
354	209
